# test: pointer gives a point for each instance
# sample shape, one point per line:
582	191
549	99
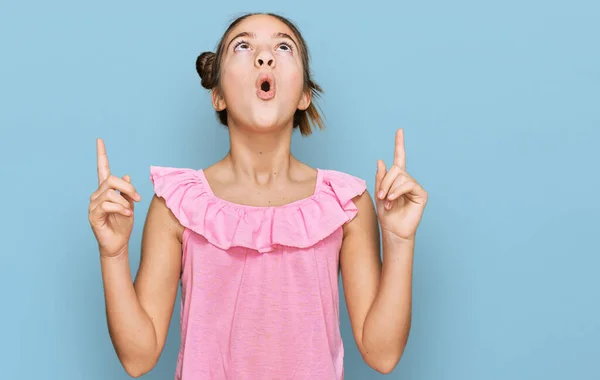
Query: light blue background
500	102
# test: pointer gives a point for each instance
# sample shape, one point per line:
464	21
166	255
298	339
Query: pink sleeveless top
259	285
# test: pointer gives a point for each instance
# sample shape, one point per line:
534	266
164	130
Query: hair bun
204	67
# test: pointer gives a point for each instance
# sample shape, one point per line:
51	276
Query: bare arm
378	295
139	313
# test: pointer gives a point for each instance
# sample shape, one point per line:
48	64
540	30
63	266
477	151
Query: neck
260	156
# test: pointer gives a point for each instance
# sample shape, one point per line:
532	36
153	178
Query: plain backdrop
500	103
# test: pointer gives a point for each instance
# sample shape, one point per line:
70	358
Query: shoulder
352	193
172	184
349	187
352	189
169	181
161	174
346	185
366	216
171	198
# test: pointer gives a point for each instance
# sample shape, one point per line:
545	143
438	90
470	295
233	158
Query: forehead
261	25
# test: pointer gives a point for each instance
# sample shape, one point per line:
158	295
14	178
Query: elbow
137	370
385	367
383	359
138	367
384	364
382	353
135	373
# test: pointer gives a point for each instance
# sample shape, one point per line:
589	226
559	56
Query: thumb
127	179
381	170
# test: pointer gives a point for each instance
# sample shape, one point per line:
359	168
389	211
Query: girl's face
262	79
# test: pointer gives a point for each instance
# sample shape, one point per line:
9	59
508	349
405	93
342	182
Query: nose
264	59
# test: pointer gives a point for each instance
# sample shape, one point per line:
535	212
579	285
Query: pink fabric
259	285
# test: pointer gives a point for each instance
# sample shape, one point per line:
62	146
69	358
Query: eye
286	47
241	45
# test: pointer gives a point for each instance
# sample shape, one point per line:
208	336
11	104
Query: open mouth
265	86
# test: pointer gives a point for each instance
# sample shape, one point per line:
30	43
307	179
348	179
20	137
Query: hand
400	200
111	207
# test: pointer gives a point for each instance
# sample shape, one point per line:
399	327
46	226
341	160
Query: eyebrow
252	35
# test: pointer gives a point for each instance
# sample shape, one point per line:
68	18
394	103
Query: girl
257	238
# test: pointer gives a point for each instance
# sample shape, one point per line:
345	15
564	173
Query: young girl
257	239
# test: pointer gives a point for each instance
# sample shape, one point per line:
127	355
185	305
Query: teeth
265	86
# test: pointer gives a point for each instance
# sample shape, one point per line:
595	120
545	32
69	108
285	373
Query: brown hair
208	66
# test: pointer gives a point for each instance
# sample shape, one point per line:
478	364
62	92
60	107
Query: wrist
397	247
114	256
389	237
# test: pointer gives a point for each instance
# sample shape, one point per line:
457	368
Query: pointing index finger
399	152
103	167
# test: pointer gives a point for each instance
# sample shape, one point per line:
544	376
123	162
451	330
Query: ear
305	100
217	100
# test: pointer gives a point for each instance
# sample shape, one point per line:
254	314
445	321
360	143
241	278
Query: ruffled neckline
224	224
249	208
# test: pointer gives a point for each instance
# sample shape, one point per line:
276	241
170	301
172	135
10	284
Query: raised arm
138	314
379	295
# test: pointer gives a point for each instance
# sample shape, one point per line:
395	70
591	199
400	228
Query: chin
267	121
264	116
